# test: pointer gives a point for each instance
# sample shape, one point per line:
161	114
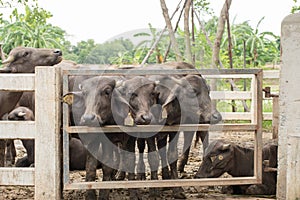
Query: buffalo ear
69	97
172	96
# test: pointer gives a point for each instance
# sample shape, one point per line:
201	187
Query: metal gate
255	125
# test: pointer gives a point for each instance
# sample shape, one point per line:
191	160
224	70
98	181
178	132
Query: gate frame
46	176
255	125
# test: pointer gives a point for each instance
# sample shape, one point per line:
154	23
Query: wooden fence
246	95
46	176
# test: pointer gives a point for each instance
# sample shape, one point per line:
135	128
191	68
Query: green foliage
260	47
150	38
295	7
104	53
30	29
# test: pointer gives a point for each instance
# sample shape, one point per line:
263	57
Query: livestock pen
46	176
255	125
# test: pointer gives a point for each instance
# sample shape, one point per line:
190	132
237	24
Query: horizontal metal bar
145	71
160	183
271	74
17	129
230	95
16	176
17	82
228	76
159	128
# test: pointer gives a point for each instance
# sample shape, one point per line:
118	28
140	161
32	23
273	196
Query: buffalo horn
8	60
21	114
178	81
119	83
225	146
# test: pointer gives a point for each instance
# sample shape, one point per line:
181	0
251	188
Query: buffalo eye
133	95
153	94
25	54
107	92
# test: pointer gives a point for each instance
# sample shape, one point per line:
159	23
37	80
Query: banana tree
30	29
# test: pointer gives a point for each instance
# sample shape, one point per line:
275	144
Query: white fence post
48	141
288	183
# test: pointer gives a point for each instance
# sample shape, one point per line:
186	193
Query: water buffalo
92	106
23	60
184	100
221	157
141	94
105	105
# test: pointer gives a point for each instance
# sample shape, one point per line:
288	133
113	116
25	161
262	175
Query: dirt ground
193	193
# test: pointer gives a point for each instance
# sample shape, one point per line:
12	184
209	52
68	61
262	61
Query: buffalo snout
216	117
90	120
57	52
143	118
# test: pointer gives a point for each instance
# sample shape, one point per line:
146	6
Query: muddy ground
209	192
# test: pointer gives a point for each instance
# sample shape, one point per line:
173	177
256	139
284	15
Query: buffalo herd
97	101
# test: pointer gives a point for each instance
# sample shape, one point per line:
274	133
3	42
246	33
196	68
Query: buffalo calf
221	157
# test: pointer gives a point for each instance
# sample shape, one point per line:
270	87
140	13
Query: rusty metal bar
160	128
145	71
160	183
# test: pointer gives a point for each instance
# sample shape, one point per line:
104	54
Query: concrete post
288	184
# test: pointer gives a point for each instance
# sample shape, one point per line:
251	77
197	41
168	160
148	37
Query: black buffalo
99	103
221	157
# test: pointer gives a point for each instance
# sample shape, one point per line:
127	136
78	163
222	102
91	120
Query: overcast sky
104	19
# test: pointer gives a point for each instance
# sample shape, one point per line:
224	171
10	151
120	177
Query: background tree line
250	47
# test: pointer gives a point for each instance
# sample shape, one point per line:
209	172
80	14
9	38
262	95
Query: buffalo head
217	160
21	114
140	94
187	100
25	59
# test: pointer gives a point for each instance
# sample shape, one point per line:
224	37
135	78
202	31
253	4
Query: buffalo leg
153	160
10	154
29	146
107	169
188	138
130	165
2	152
91	167
178	192
162	149
204	139
141	164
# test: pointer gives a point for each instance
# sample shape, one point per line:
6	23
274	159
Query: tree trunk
213	82
175	29
219	34
170	29
159	37
187	35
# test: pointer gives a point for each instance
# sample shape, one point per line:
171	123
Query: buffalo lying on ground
23	60
221	157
